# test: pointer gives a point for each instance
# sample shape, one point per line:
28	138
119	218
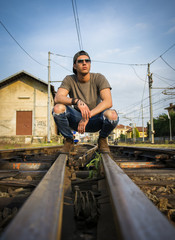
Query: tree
122	136
162	125
136	131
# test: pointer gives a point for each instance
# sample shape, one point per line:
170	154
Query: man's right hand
84	109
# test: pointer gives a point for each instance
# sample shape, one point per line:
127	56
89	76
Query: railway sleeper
87	206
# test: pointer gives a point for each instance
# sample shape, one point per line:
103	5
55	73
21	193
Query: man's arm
61	97
106	102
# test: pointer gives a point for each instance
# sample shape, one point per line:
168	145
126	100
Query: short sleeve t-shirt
88	92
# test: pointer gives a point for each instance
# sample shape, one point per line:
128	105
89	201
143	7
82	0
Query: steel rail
8	153
41	215
135	215
169	151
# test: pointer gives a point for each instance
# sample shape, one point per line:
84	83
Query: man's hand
85	112
82	125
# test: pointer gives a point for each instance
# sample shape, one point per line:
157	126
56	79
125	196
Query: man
90	96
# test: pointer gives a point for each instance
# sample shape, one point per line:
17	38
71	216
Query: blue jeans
71	118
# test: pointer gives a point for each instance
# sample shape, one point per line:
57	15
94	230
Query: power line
61	66
158	76
137	74
162	54
118	63
165	81
77	24
20	45
60	55
107	62
167	63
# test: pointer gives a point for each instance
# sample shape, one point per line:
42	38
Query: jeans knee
111	114
59	108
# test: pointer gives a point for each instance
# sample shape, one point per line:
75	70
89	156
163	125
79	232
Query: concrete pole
150	81
169	116
143	129
48	103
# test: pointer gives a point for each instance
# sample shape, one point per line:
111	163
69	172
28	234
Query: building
140	129
120	129
116	133
171	108
24	108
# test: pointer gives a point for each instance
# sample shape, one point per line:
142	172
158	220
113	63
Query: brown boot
68	145
103	145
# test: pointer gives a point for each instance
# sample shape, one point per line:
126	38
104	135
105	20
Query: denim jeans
69	120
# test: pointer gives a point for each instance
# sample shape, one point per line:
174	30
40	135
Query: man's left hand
82	125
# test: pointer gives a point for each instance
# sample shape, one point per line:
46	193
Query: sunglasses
82	60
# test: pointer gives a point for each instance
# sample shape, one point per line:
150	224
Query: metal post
143	129
48	104
150	103
134	133
170	126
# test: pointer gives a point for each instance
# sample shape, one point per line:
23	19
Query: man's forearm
101	107
63	100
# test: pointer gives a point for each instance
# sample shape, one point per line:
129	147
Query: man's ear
74	66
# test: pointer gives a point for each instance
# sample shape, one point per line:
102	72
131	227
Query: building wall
25	94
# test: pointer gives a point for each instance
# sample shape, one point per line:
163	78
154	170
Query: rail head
135	215
41	215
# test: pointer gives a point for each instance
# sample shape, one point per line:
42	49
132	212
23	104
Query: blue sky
123	32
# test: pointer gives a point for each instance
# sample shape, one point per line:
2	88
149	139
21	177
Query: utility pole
134	132
143	129
48	104
150	81
169	116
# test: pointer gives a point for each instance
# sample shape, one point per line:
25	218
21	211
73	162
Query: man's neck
83	78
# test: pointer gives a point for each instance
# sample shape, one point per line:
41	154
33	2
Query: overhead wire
20	45
77	24
165	81
163	53
158	76
167	63
118	63
61	66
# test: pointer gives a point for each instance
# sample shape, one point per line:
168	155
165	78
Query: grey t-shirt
88	92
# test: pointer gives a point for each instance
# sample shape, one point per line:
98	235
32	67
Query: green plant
94	165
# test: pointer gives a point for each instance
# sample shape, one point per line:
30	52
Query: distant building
116	133
171	108
23	108
140	129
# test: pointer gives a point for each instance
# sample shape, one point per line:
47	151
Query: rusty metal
25	165
141	165
41	215
136	216
10	153
144	151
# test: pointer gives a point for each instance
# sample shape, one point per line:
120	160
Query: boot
68	145
103	145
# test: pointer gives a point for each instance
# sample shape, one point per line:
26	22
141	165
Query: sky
121	37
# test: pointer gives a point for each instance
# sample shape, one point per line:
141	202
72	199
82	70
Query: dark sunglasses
82	60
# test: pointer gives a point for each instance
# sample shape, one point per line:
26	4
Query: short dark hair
82	52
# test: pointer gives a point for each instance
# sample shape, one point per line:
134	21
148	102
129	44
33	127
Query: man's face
82	64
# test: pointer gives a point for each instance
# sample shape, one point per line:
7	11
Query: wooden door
24	123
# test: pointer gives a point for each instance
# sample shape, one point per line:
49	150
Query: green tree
136	132
162	125
122	136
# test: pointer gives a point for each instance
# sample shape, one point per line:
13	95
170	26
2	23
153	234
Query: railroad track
47	195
